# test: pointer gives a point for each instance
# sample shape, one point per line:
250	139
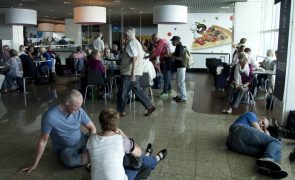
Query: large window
270	26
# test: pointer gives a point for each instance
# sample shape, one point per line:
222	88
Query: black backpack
291	121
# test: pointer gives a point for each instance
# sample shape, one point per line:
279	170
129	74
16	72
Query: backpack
187	59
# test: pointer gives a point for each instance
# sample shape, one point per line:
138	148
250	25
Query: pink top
161	49
78	55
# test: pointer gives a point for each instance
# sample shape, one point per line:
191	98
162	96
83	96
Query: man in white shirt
98	43
131	69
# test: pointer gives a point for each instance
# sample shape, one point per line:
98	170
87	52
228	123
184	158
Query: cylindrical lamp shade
59	28
90	15
170	14
46	27
20	16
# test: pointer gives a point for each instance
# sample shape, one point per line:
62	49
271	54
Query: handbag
132	162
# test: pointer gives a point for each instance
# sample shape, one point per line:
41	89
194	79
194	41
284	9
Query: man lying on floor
248	135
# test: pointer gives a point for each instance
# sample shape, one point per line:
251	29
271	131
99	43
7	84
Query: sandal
149	150
161	155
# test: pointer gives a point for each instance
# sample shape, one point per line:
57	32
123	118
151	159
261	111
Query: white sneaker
164	96
227	110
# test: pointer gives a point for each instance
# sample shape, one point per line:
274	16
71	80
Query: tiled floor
195	141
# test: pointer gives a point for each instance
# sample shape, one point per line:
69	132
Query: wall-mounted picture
208	37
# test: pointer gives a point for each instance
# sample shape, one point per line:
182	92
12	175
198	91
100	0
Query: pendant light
15	16
90	15
46	27
170	14
59	28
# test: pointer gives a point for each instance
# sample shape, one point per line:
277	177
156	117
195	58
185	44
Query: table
267	72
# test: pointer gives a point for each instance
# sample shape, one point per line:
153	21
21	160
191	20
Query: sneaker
274	174
170	92
180	100
88	167
227	110
269	164
164	96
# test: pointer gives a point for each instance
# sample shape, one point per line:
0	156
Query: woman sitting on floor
240	80
107	149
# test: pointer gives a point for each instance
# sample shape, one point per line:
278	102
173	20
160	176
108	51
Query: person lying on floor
108	147
249	135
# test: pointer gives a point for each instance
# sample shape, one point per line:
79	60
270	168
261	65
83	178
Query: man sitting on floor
62	122
248	135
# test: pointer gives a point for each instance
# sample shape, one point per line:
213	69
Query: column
73	31
285	86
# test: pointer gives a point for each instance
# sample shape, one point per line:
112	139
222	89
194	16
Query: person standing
162	51
131	70
98	43
181	69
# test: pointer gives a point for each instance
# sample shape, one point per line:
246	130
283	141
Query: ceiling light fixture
46	27
170	14
59	28
17	16
90	15
225	7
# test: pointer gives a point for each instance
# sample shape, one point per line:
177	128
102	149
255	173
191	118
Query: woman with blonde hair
240	80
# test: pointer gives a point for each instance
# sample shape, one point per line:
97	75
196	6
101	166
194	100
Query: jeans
181	86
235	96
148	163
250	141
124	90
166	77
71	156
8	82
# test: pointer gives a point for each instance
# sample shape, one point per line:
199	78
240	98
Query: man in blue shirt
248	135
62	123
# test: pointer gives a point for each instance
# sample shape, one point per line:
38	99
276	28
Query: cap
175	38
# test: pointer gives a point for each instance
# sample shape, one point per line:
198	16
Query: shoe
88	167
274	174
122	114
149	150
227	110
170	92
180	100
164	96
175	98
161	155
269	164
150	111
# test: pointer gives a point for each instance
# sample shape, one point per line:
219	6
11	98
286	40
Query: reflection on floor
195	141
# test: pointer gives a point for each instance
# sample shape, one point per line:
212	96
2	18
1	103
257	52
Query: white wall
247	24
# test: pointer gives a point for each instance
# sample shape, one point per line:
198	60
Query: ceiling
56	10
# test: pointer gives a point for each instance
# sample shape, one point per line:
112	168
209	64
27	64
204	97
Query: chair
211	64
95	78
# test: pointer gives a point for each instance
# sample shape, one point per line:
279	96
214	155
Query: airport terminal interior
194	130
